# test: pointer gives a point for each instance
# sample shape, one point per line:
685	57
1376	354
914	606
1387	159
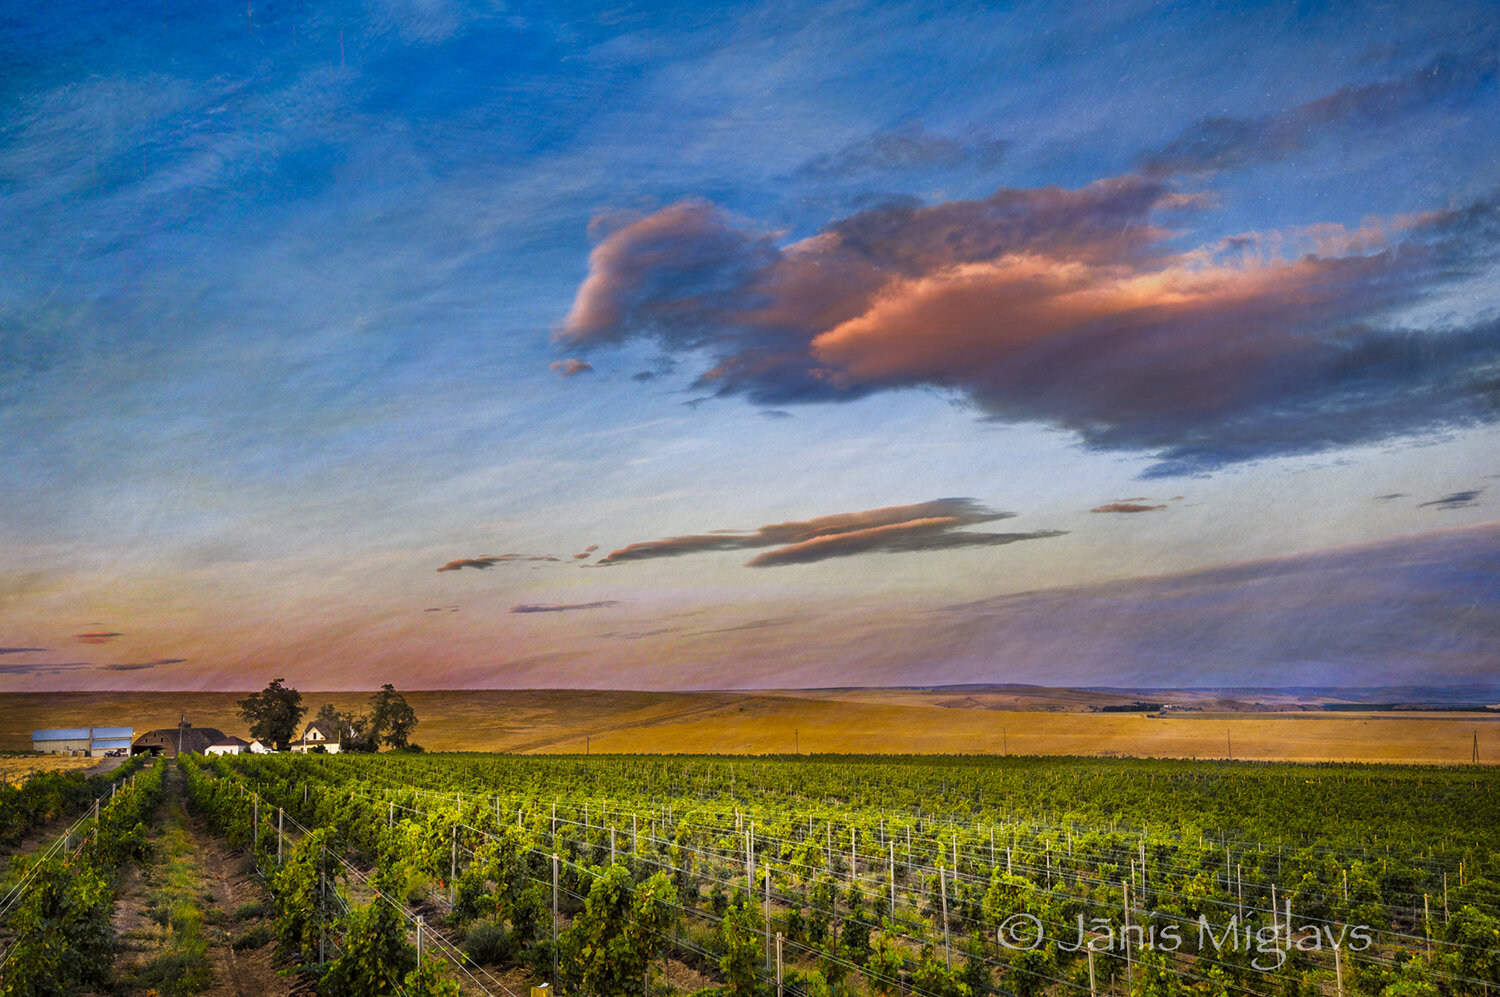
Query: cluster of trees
275	715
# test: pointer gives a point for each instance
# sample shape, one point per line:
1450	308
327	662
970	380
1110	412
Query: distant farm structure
184	739
85	742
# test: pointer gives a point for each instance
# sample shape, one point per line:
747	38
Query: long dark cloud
488	560
43	668
141	665
20	650
1221	143
931	525
565	607
1070	308
1454	500
97	637
901	150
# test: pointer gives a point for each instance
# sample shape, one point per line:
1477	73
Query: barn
86	742
172	741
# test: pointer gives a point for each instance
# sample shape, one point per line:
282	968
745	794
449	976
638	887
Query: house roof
329	731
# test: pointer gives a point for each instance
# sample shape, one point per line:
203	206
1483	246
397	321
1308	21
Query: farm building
182	739
259	747
231	745
319	735
89	742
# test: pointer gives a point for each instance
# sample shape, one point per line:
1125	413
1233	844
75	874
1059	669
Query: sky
775	345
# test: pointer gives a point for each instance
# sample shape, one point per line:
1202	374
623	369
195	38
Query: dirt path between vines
192	869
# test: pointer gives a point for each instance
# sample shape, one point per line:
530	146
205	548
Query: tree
351	727
273	713
391	718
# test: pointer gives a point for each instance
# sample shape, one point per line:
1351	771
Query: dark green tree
274	713
391	718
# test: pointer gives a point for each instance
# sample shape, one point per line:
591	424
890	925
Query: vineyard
800	877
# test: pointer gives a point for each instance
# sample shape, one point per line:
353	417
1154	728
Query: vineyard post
1338	969
1239	880
554	922
1129	967
1346	886
611	845
778	965
1093	987
279	814
419	941
1275	927
908	850
1288	924
1008	869
322	901
390	814
992	846
943	887
453	870
828	849
768	915
955	853
635	836
893	882
554	823
1427	926
255	821
853	875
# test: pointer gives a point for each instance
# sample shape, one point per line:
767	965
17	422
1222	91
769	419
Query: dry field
14	769
859	721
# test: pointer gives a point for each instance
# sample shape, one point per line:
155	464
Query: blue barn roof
61	734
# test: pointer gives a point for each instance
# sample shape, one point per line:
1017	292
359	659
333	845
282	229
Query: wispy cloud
142	665
20	650
911	148
1263	344
1221	143
1127	505
571	367
97	637
489	560
565	607
1454	500
923	526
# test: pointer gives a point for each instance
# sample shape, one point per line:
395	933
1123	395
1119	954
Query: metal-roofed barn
86	742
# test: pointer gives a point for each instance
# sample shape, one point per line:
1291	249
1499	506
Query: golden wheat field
861	721
16	769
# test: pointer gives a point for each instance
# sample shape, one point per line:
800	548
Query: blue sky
300	303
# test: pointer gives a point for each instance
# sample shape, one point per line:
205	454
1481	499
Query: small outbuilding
231	745
259	747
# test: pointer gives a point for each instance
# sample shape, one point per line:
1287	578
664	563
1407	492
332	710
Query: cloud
1390	497
487	560
775	413
43	668
1072	308
930	534
441	609
1221	143
97	637
571	366
142	665
566	607
1127	505
923	526
581	555
20	650
903	150
1455	500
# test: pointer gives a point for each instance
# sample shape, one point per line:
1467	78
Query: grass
176	962
16	769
